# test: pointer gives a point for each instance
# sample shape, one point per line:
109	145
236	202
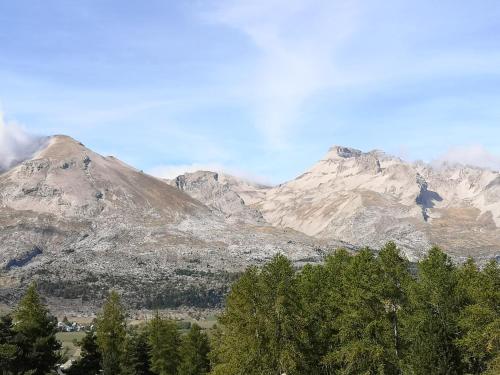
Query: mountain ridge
349	192
98	223
80	223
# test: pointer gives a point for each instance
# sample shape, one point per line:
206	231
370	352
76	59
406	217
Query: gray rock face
99	223
370	198
222	193
366	199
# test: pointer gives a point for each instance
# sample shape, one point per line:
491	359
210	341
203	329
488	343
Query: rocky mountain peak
342	152
69	213
226	194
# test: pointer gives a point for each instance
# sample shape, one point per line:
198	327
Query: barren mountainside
80	223
366	199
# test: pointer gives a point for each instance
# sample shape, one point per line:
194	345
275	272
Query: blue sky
260	88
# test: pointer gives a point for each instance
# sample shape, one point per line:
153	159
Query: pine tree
263	330
194	353
365	329
396	280
314	290
282	317
111	326
239	342
329	308
9	351
90	358
164	343
36	329
480	319
430	319
136	353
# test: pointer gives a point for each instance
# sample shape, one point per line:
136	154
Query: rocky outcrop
368	198
103	224
224	194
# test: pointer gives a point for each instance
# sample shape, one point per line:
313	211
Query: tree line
362	313
28	343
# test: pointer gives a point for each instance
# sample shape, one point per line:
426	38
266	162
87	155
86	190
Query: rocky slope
79	223
228	195
366	199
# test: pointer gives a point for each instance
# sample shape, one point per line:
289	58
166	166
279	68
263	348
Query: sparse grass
207	323
68	341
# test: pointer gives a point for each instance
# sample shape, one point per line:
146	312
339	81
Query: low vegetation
365	313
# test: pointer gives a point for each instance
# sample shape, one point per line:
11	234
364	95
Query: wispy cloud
474	155
16	144
305	48
296	58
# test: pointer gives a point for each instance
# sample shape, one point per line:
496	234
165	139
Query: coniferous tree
479	321
396	279
336	266
9	351
263	330
431	318
136	353
164	343
36	332
365	329
194	353
90	359
282	317
239	343
314	290
111	328
262	327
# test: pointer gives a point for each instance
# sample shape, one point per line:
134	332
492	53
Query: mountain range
79	223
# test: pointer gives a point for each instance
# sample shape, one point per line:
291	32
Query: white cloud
16	145
474	155
296	41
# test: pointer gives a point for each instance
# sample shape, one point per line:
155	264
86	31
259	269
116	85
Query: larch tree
194	352
164	344
111	329
431	318
36	329
90	359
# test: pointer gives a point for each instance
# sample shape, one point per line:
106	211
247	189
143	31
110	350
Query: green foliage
240	340
111	328
319	311
480	319
35	337
362	314
9	351
431	318
136	353
194	353
164	343
263	330
90	358
364	326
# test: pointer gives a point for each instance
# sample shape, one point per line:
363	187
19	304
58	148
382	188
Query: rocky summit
80	223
